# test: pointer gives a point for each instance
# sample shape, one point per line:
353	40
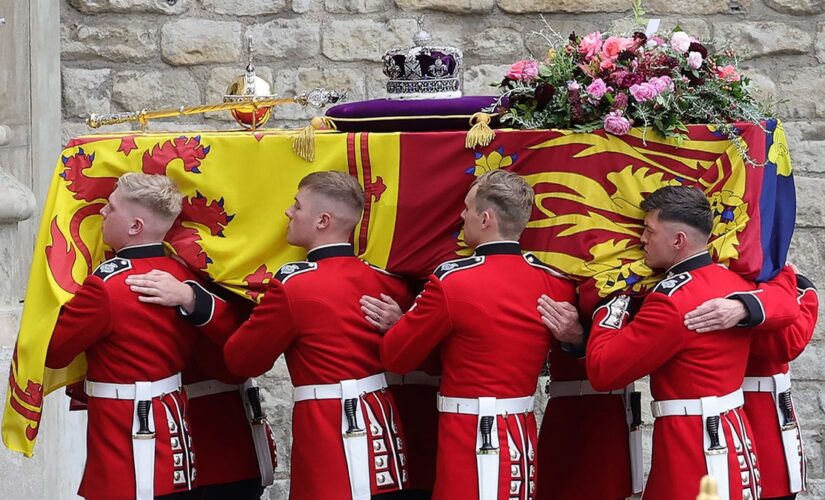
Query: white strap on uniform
486	462
356	445
716	460
683	407
413	378
209	387
467	406
566	388
127	391
634	439
260	437
334	391
792	434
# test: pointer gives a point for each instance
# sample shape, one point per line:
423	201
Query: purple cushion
424	115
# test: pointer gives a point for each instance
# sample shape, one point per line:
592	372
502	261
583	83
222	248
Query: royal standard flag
586	220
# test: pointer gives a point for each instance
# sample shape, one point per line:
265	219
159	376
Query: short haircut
339	187
509	196
683	204
157	193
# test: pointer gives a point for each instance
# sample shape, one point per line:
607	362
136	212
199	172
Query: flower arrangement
618	81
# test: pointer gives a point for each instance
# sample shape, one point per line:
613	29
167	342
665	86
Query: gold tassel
303	143
707	489
480	134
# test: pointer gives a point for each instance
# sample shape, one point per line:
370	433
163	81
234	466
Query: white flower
694	60
680	41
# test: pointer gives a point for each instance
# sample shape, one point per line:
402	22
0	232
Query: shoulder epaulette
112	267
670	285
536	262
294	269
380	269
457	265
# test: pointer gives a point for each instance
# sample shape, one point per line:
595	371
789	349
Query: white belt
209	387
560	389
467	406
333	391
761	384
675	407
127	391
413	378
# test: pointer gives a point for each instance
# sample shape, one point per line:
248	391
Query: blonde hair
157	193
338	187
509	196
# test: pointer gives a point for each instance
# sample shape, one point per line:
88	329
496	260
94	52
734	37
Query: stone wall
123	55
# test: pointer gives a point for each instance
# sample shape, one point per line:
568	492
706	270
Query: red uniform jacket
580	430
125	341
481	311
685	365
770	353
312	314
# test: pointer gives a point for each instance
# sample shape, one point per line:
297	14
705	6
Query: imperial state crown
423	71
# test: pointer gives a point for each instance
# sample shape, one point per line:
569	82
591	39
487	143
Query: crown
423	71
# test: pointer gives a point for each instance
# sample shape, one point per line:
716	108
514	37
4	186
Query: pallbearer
480	313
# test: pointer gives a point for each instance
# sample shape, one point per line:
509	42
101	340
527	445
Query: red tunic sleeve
83	320
785	345
618	354
407	344
773	304
253	348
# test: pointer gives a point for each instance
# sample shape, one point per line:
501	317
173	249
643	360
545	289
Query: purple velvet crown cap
425	115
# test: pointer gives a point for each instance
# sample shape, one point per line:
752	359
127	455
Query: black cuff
574	350
204	305
804	283
756	313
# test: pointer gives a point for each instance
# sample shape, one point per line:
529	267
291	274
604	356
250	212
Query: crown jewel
423	71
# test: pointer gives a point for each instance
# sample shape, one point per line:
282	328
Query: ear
680	240
486	218
323	221
136	227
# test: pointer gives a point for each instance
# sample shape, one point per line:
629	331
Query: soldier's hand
562	319
715	314
160	287
381	313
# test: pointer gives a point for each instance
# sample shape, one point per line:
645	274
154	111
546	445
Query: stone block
802	92
763	38
808	366
808	252
478	79
292	82
200	41
171	7
820	42
376	85
138	89
279	490
244	7
86	91
808	402
812	439
797	7
762	85
304	6
116	42
364	39
698	7
293	39
496	44
806	141
355	6
562	6
455	6
220	79
810	206
698	28
72	129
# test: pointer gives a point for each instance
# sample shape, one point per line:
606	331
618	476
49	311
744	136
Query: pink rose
525	70
613	46
616	124
597	88
660	84
680	42
694	60
590	45
727	73
643	92
573	85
